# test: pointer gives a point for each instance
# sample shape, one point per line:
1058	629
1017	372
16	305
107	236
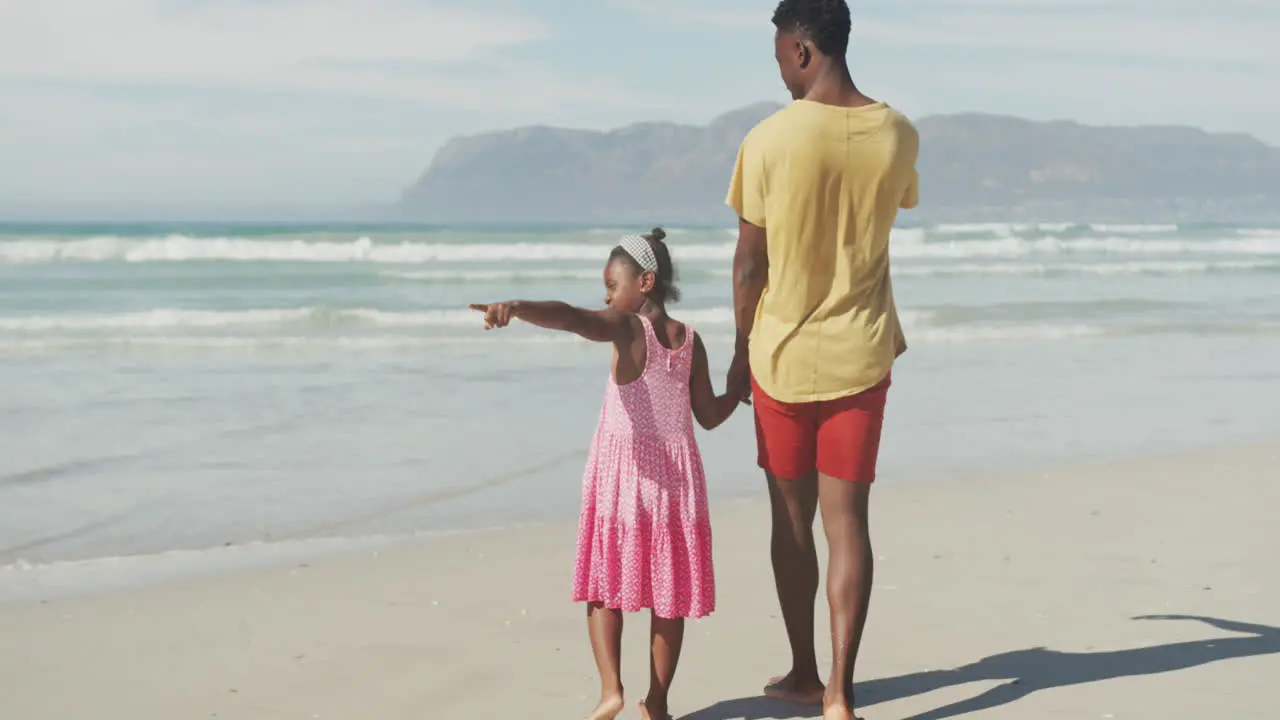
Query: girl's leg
605	628
666	636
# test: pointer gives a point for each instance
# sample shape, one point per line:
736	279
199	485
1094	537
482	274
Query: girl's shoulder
637	321
678	323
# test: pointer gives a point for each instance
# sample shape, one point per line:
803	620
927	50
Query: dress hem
613	605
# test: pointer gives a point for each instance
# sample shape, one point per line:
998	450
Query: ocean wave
1003	333
1273	233
305	327
1008	229
466	317
296	328
975	333
249	343
907	236
168	318
1155	267
1015	247
264	342
517	276
918	333
496	276
161	318
308	343
1133	229
950	242
315	324
181	248
1002	229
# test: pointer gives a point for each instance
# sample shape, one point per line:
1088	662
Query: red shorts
839	438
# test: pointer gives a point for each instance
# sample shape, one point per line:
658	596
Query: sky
152	104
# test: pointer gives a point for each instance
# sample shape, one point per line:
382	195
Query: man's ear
806	55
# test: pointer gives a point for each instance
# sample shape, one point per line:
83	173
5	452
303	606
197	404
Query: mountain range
972	167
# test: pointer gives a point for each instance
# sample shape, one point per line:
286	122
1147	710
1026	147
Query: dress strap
650	335
672	357
650	342
685	353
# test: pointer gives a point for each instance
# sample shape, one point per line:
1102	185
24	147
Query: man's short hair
825	23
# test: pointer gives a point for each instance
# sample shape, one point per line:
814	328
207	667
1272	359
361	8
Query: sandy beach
1003	597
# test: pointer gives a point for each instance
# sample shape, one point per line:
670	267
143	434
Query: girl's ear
648	281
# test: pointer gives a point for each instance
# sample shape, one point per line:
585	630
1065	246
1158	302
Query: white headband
641	251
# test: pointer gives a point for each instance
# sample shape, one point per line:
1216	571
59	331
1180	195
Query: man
817	188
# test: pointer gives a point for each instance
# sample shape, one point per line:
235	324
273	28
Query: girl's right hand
496	315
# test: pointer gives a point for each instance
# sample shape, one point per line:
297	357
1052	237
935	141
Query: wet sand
1004	597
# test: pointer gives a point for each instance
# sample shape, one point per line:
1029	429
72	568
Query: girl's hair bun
658	234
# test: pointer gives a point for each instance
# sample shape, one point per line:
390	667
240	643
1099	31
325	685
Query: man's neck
834	86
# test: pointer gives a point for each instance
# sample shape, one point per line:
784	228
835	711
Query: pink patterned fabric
644	537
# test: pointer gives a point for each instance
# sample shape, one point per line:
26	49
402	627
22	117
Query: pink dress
644	537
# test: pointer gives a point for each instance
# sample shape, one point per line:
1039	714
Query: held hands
496	315
738	382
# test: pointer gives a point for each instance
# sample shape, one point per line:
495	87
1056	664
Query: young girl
644	537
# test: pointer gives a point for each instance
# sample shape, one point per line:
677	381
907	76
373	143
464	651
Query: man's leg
787	438
795	574
850	568
848	443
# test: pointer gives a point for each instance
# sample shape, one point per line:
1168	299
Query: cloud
299	100
79	146
1111	35
1226	31
238	41
404	49
327	101
745	15
1120	94
1121	62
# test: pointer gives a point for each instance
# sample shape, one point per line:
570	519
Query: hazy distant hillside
972	166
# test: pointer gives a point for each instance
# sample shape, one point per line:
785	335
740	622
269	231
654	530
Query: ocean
172	395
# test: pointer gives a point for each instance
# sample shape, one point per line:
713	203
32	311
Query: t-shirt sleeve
746	189
911	197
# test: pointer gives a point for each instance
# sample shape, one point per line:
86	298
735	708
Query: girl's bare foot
787	688
608	709
646	714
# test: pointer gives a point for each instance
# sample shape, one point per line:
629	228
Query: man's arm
750	274
911	145
750	261
911	197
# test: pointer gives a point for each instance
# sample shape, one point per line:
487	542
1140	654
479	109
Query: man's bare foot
608	709
645	713
839	712
800	692
838	708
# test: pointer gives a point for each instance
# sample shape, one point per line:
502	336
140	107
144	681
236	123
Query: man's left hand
738	382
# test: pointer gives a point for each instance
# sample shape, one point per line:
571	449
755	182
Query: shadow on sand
1029	671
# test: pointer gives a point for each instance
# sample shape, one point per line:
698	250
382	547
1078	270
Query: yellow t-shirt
826	183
